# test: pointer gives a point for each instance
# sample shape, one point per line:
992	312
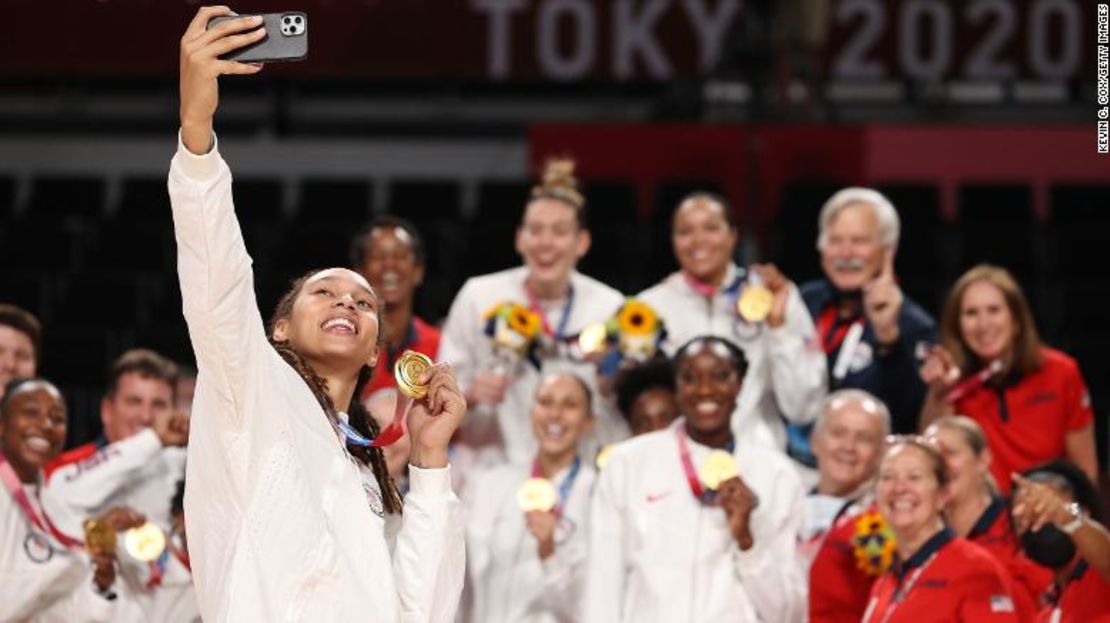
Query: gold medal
408	369
592	339
603	456
755	303
718	467
145	543
537	494
99	537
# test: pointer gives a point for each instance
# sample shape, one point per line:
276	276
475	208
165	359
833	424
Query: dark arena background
978	118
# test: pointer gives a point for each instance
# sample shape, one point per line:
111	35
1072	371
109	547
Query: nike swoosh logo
655	497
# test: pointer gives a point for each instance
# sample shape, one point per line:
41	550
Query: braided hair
359	417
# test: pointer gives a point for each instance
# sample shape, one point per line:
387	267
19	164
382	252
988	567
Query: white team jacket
506	580
172	600
40	584
786	368
470	351
136	472
658	554
280	525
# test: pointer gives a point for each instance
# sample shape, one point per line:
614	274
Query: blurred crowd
726	445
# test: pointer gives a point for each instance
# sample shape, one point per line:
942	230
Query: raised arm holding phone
291	511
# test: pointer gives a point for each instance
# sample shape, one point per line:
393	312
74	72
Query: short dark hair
25	322
1078	484
360	243
708	195
145	363
739	361
657	373
11	387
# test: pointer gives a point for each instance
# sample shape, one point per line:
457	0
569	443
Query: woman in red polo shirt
1031	400
1058	513
936	576
977	512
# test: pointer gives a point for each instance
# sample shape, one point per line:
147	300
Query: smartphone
286	39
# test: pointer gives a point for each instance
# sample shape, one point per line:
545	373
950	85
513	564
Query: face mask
1048	547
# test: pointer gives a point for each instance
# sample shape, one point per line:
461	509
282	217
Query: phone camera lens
286	20
297	19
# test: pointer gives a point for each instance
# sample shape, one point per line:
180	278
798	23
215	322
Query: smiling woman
1031	400
693	501
44	574
551	238
526	527
279	444
786	378
936	576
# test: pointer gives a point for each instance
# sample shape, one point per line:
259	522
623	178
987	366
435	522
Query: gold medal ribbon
410	366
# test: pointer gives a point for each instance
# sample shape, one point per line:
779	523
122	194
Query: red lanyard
181	556
43	523
700	493
534	305
688	466
901	594
832	328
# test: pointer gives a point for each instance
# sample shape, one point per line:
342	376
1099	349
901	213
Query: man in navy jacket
874	337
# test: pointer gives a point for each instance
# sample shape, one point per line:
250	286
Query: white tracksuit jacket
282	524
470	351
171	601
786	367
656	554
506	580
58	587
136	472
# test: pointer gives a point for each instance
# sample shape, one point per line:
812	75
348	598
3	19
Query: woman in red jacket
992	367
978	513
936	576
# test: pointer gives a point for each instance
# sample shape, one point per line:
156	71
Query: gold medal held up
718	467
755	303
100	538
537	494
592	339
145	543
408	369
603	456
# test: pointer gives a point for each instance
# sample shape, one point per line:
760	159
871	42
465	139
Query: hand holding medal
434	405
537	494
142	540
764	296
738	502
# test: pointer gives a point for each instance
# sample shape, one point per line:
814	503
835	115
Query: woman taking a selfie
291	512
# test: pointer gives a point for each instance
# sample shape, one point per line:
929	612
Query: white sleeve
798	377
84	487
461	342
21	587
92	607
429	558
604	581
217	282
562	577
768	572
